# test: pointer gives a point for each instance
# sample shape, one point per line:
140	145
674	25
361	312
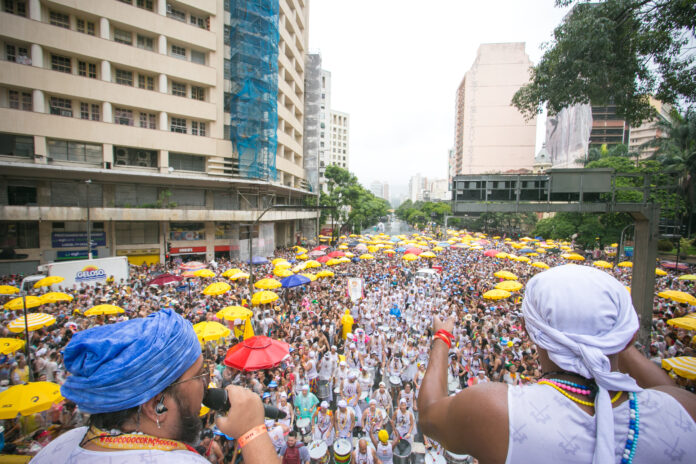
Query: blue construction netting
254	95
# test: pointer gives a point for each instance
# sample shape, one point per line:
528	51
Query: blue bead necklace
633	426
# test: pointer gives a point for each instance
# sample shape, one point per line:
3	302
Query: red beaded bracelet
444	339
445	333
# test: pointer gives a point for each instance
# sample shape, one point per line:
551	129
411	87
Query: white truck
88	271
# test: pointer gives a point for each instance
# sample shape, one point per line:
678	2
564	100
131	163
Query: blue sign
77	239
74	254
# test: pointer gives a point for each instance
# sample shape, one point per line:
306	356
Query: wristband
443	339
445	333
251	434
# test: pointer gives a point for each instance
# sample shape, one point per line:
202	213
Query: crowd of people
352	378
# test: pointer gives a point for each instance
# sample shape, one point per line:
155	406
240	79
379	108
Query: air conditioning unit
121	157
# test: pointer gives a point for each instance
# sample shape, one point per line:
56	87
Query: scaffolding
253	70
312	120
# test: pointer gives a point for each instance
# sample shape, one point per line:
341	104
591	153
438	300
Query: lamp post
26	329
89	223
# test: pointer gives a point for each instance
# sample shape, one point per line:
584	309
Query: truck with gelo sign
88	271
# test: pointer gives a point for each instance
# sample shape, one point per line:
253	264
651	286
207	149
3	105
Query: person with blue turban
143	382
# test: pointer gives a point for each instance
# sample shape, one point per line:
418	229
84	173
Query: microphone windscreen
216	398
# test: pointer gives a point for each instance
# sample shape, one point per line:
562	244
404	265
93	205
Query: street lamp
89	223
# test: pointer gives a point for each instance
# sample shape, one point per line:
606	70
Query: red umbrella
164	279
256	353
323	259
336	254
491	252
320	248
314	254
413	251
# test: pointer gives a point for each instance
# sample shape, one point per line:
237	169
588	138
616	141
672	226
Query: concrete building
648	131
440	190
334	133
490	134
608	128
418	188
340	140
136	115
380	189
542	161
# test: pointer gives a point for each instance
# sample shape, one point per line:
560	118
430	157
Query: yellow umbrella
688	323
427	254
683	366
302	257
299	267
508	285
28	399
496	294
283	265
35	321
210	330
239	275
679	297
300	250
660	272
54	297
232	313
388	251
312	264
282	272
263	297
574	257
540	265
8	290
310	276
48	281
687	277
231	272
349	254
217	288
205	273
625	264
325	274
10	345
409	257
343	247
438	248
333	262
367	256
267	284
523	259
17	304
104	309
277	261
603	264
507	275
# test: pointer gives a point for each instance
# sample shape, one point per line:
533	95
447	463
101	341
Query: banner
77	239
355	288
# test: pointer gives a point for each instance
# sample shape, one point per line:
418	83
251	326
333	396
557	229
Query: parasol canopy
540	265
295	281
509	285
687	277
267	284
48	281
217	288
28	399
104	309
35	321
231	272
679	297
17	303
496	294
239	275
205	273
683	366
232	313
263	297
8	290
625	264
210	330
164	279
256	353
688	323
10	345
507	275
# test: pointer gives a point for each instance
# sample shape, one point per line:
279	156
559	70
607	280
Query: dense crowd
355	366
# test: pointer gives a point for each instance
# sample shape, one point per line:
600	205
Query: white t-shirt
66	450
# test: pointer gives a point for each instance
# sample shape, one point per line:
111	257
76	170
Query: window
187	231
59	19
227	32
19	100
146	82
197	93
227	74
178	52
224	230
61	106
124	77
90	111
145	4
79	152
124	37
197	57
85	27
198	128
184	162
21	195
19	234
226	103
87	69
178	125
178	89
16	145
148	120
17	54
124	156
174	13
137	233
146	43
61	63
123	116
198	21
16	7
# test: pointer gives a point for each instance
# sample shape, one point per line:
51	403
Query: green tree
619	52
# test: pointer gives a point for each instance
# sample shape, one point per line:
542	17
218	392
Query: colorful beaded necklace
572	398
134	441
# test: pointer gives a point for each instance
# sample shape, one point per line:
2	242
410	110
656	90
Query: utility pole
89	222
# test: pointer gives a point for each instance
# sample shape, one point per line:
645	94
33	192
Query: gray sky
395	67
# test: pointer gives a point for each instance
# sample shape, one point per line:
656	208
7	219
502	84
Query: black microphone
216	398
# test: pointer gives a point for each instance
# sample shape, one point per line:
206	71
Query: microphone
216	398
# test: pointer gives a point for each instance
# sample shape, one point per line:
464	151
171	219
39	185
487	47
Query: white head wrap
580	315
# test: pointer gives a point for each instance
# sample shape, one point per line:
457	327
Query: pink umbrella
320	248
491	252
316	253
256	353
413	251
164	279
323	259
336	254
192	266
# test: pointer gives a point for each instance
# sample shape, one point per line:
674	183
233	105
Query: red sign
188	250
226	247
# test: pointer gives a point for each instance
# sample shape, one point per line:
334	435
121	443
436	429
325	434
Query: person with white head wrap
583	323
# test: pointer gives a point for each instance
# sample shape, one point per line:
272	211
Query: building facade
334	133
648	131
129	115
490	134
608	128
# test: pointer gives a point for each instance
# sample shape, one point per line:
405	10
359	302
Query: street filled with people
349	327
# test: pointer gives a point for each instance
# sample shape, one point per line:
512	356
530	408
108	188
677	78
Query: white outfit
385	453
66	450
323	429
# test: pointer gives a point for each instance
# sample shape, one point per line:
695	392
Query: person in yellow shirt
347	322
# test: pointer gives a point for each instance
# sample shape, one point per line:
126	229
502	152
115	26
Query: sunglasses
204	375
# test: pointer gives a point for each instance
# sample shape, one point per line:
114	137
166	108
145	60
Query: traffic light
167	250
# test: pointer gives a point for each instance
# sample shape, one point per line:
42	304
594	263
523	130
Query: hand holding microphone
243	408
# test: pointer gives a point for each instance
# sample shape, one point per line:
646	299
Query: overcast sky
396	64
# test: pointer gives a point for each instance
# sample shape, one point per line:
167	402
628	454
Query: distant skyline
395	68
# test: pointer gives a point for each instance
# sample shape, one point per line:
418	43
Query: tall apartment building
380	189
648	131
608	128
334	133
141	117
490	134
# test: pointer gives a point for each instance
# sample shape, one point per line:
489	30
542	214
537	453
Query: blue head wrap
119	366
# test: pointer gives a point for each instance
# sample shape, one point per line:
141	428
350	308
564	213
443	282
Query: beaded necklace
572	398
134	441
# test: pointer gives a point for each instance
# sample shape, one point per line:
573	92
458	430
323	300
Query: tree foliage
616	52
420	213
352	205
